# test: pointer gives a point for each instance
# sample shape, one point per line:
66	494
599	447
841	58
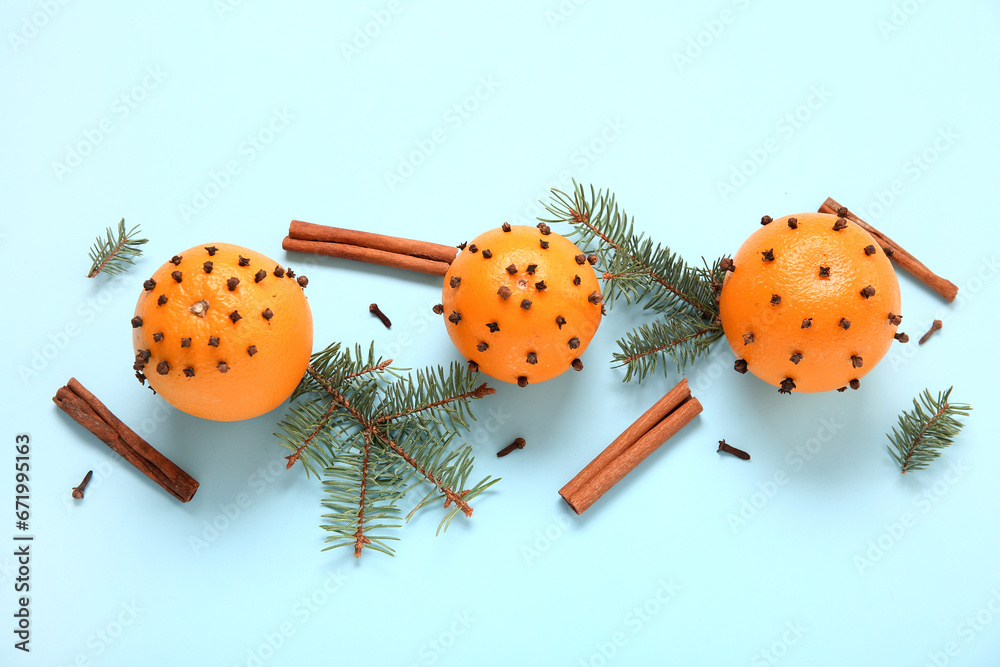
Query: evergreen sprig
116	252
374	434
643	272
924	432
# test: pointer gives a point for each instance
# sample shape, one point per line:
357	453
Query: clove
729	449
78	490
374	309
937	324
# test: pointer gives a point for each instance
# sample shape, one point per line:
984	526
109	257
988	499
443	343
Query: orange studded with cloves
521	303
222	332
810	303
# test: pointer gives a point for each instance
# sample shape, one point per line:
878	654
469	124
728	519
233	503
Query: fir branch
924	432
377	434
681	338
644	272
632	265
115	253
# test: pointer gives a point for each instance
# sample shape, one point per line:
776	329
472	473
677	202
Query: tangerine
811	303
521	303
222	332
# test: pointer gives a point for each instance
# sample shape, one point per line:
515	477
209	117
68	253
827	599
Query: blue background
701	117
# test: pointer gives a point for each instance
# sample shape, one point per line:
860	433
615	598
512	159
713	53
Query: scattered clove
78	490
729	449
937	324
518	443
374	309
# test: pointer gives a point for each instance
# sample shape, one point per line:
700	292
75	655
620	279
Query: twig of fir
373	435
116	252
633	267
921	434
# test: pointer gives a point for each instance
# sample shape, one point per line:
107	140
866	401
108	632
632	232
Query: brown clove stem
78	490
729	449
377	312
517	444
937	324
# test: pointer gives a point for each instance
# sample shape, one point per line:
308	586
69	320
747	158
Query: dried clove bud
232	283
747	338
574	343
729	449
438	309
235	316
267	314
189	372
577	365
526	303
841	223
162	300
576	280
766	220
163	368
279	272
895	319
185	342
259	276
901	337
531	269
796	358
824	272
845	323
793	223
595	297
869	250
149	285
211	250
532	358
775	299
487	253
157	337
727	264
807	323
787	385
493	327
592	259
517	444
768	255
473	366
455	317
176	275
473	248
581	258
223	367
868	292
176	260
244	261
740	366
540	285
454	282
560	320
935	326
213	341
855	383
302	281
482	346
543	244
505	226
504	292
856	361
208	266
522	381
377	312
512	269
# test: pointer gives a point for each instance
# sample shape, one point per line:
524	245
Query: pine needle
373	434
114	254
644	273
923	433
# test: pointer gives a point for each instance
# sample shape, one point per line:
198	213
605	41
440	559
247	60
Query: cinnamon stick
410	254
654	427
88	411
945	288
